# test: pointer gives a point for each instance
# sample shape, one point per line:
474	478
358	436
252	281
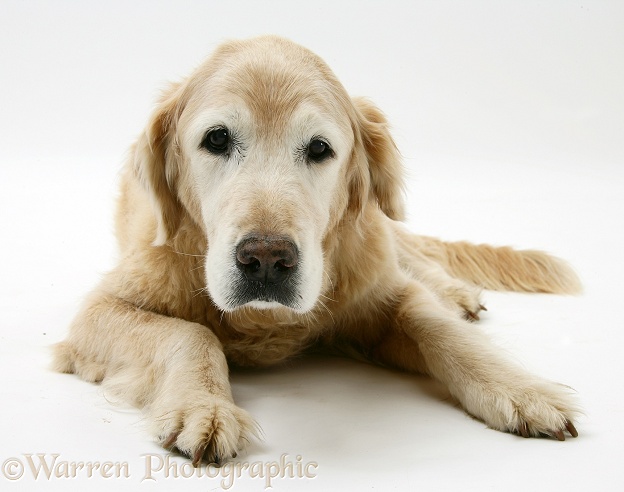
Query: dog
260	217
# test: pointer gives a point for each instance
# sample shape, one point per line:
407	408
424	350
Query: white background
510	116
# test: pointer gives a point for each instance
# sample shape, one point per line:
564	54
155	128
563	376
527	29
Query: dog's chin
266	305
260	305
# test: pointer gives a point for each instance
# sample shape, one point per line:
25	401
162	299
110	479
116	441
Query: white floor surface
510	116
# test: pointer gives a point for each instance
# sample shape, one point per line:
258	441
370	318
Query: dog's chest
256	345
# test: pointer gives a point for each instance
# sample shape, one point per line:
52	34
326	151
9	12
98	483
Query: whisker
310	317
188	254
328	298
331	315
333	288
200	291
329	278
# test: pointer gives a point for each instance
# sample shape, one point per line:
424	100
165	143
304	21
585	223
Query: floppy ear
384	162
156	167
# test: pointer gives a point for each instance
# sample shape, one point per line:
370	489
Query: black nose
267	259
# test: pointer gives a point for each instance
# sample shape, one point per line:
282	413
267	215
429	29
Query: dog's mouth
264	295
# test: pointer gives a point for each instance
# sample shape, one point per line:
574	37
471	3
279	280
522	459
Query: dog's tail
502	268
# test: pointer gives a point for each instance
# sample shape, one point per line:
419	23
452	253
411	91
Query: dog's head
262	147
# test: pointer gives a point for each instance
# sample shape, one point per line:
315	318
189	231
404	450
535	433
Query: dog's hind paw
464	299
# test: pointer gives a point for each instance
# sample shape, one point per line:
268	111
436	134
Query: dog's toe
213	431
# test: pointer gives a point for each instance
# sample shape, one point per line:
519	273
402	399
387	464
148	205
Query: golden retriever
260	217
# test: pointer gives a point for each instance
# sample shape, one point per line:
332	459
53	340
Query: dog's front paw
539	409
214	430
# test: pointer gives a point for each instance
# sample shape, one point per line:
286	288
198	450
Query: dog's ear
384	162
155	164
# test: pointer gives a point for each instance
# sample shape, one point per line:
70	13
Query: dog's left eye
319	150
216	141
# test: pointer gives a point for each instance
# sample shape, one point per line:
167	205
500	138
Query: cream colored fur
161	328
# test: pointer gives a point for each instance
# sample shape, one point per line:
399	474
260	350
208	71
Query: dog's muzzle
268	271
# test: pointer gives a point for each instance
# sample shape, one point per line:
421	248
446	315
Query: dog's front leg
427	338
174	369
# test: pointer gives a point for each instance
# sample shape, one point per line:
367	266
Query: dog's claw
199	455
523	430
571	429
474	315
171	440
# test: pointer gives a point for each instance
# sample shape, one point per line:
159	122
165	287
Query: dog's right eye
216	141
318	150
